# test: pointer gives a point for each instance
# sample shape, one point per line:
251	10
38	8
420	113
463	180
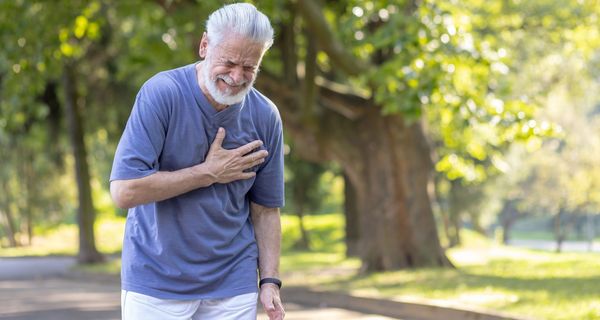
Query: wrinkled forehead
237	48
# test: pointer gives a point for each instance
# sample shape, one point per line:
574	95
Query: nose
237	74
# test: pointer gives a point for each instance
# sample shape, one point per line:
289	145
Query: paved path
567	246
34	267
39	288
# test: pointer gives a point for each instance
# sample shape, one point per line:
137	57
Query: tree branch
287	44
310	87
315	21
332	96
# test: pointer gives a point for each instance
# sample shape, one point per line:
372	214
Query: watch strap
274	281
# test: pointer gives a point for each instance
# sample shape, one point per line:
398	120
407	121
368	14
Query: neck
210	99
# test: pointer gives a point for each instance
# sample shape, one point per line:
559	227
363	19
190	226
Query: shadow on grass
466	279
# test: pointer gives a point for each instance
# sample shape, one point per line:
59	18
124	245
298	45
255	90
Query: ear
203	46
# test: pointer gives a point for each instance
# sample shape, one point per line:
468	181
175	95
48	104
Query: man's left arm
267	228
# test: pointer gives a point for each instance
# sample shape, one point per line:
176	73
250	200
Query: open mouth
230	85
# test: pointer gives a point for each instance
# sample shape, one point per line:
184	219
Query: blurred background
435	150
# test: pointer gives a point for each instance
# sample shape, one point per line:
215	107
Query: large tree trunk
387	162
391	178
86	212
351	212
55	114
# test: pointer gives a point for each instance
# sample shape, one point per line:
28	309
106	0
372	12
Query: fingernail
220	129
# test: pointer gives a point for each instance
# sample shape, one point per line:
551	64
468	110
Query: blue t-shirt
199	244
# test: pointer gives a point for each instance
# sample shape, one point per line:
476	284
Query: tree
528	37
363	89
55	56
557	175
388	90
84	60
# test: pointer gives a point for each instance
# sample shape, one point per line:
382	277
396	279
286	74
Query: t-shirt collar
207	108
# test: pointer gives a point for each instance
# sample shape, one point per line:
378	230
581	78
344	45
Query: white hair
241	19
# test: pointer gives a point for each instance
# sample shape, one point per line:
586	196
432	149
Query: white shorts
137	306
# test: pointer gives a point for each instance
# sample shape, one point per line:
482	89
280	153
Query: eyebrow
228	61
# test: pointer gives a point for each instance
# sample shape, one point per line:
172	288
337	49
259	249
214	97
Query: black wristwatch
274	281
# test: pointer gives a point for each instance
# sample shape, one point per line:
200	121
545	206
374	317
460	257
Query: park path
568	246
45	288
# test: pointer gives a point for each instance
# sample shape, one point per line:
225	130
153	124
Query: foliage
541	55
442	61
105	40
562	175
476	71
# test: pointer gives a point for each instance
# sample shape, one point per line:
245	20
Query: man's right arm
220	166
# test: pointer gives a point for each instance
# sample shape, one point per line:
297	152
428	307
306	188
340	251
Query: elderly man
200	167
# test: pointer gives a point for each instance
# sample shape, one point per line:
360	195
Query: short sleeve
142	141
268	188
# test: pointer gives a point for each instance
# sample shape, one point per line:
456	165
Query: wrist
205	175
273	281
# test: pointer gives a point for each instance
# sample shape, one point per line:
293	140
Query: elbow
122	194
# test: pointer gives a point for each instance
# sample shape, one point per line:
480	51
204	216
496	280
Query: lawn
537	284
63	240
541	285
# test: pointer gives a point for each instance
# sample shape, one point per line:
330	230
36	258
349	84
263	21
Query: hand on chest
189	144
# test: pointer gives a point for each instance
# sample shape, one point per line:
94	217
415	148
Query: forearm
267	228
159	186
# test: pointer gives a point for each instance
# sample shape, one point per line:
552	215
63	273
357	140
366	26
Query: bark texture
387	162
86	212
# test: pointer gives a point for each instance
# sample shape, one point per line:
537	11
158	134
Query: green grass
520	282
541	285
63	240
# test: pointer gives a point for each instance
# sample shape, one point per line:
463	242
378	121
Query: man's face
230	69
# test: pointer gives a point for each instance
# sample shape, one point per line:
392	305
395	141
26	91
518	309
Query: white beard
226	97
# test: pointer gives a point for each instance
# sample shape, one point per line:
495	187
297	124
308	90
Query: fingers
269	306
272	303
218	142
247	175
276	312
279	309
255	158
248	147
